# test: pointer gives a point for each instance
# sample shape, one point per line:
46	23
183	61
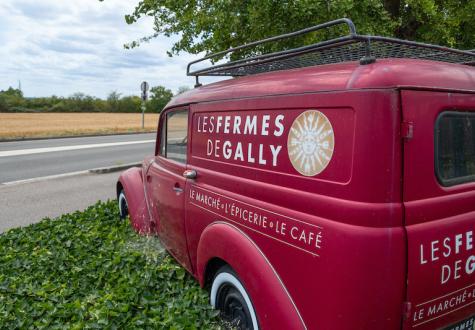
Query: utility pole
144	87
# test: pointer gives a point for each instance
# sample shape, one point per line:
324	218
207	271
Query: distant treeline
12	100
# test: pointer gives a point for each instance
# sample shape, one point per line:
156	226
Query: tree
113	101
13	92
159	97
11	100
211	26
182	89
3	103
80	102
129	104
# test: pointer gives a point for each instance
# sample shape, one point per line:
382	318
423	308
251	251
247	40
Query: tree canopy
12	100
159	97
215	25
182	89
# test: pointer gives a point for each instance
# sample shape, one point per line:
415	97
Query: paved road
26	203
31	165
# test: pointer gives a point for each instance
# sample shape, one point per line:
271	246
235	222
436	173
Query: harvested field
34	125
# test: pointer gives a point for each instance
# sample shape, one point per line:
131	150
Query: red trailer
330	186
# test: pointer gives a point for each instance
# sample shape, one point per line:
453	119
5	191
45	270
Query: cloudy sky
59	47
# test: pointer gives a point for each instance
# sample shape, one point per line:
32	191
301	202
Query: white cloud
62	47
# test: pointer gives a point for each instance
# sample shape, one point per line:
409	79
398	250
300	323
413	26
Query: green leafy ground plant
89	270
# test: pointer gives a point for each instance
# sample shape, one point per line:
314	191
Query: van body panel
384	73
350	281
271	300
308	220
440	220
371	172
165	186
132	183
421	108
164	179
361	234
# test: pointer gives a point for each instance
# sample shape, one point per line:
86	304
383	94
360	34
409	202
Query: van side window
163	137
455	147
177	135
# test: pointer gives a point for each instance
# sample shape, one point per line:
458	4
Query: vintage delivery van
330	186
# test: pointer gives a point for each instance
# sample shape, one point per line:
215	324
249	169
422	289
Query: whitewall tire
230	297
123	206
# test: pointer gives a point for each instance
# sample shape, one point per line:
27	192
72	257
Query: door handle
190	174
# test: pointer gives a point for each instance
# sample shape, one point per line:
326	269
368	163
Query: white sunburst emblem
310	143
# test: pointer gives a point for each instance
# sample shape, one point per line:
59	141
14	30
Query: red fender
273	305
132	182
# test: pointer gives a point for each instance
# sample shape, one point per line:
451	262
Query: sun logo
310	143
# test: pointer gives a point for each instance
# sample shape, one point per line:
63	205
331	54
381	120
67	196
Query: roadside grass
90	270
44	125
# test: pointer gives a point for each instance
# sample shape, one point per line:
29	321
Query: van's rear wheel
123	207
230	297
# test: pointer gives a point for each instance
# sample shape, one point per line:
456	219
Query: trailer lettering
280	228
470	265
447	304
418	315
218	123
469	238
279	126
227	123
447	251
237	125
238	153
310	237
250	159
228	150
251	125
275	152
213	124
231	149
423	261
438	250
285	229
435	248
205	199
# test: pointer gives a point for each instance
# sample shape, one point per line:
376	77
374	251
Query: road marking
22	152
44	178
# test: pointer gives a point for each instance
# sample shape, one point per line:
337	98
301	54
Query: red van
330	186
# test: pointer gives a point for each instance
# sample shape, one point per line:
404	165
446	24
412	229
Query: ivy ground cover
90	270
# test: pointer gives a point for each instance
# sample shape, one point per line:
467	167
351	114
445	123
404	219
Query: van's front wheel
230	297
123	207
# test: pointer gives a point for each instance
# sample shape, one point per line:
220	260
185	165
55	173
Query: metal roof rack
351	47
